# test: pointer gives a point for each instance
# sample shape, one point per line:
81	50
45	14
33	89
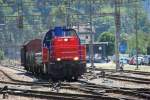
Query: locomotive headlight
65	39
76	58
58	59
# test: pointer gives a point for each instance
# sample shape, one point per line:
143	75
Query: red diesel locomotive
59	55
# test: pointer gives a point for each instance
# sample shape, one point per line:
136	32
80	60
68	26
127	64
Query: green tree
1	55
110	38
143	42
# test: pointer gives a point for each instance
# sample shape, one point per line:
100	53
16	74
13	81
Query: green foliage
47	15
1	55
143	42
148	50
110	38
58	16
123	37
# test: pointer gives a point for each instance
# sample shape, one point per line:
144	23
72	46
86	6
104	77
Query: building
84	32
99	48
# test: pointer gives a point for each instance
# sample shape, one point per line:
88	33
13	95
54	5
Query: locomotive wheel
29	68
74	78
56	71
44	69
33	69
69	72
26	68
40	70
36	71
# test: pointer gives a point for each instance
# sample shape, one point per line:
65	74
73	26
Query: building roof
84	28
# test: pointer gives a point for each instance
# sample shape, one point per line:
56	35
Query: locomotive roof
42	35
27	42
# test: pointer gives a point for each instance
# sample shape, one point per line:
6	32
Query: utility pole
68	14
20	14
136	35
117	34
91	39
78	18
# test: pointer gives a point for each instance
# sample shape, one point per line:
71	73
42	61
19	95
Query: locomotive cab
66	47
63	54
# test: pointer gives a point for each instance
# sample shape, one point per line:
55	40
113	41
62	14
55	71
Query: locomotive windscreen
69	32
62	32
57	32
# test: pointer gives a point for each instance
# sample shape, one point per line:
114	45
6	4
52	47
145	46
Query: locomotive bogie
66	70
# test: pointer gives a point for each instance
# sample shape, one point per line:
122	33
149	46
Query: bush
1	55
110	38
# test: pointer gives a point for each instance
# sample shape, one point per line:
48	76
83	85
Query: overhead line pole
78	19
136	35
117	34
68	21
91	39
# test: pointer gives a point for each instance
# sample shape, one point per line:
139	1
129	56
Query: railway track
85	89
110	74
92	91
125	71
133	92
114	77
128	78
19	82
53	95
